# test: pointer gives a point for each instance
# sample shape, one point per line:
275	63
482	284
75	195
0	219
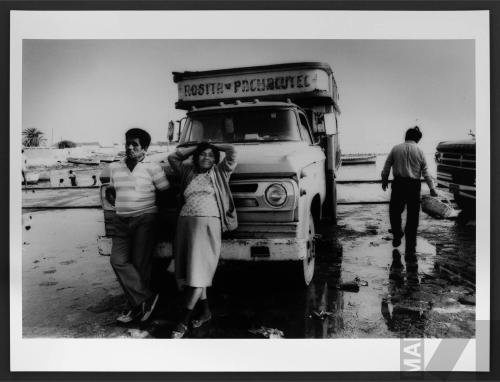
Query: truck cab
282	120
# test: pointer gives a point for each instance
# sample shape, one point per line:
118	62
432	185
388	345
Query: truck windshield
243	126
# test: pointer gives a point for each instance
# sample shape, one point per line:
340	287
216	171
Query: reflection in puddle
403	312
397	296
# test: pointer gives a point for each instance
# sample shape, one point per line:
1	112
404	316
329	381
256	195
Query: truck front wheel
304	269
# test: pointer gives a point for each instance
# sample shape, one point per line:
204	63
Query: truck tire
303	270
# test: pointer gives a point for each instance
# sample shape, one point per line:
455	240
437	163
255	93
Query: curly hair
202	146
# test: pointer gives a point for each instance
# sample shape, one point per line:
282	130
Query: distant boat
32	177
107	159
348	159
88	161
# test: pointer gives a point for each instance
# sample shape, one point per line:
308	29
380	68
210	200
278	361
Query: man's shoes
129	316
148	307
396	241
201	320
179	331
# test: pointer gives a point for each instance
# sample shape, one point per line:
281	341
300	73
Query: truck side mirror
330	124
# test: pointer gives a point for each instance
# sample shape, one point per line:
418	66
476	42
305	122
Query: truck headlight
276	195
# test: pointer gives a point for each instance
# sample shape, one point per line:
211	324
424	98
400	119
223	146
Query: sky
94	90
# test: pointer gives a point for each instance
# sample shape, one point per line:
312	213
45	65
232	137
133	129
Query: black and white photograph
194	193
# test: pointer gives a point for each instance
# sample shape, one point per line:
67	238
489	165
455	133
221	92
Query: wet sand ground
69	290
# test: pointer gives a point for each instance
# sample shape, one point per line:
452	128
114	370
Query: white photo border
245	355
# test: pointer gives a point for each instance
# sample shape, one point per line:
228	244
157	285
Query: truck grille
457	168
243	188
457	160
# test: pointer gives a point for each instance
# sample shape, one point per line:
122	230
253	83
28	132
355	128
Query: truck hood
462	146
264	159
269	159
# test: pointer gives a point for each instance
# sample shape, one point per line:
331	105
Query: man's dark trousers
405	192
131	255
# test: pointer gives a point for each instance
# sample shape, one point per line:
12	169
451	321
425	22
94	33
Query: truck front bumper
457	189
237	249
263	249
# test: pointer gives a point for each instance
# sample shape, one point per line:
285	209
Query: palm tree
32	137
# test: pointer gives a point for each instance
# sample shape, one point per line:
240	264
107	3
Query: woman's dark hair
202	146
413	134
144	137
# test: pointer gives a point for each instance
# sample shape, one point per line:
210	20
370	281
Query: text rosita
254	85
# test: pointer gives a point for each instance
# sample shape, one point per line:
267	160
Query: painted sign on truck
257	84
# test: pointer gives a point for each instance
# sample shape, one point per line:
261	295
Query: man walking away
136	183
408	165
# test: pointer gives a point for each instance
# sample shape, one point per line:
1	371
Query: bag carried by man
438	207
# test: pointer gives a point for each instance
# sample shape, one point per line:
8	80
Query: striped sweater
136	189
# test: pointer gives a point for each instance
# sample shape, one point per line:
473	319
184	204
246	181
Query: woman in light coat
207	211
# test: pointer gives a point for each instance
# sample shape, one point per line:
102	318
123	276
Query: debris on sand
267	332
137	333
63	288
409	310
48	283
350	286
67	262
467	300
353	285
321	314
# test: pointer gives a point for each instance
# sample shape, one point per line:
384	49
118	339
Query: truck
283	120
456	172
